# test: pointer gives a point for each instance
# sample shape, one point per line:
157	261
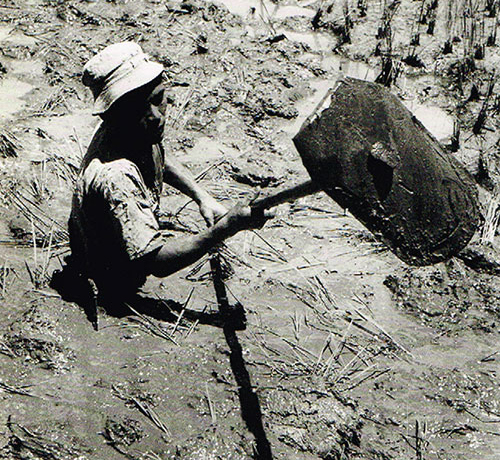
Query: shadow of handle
217	276
250	406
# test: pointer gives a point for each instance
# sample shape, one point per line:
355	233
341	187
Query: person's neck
129	137
131	142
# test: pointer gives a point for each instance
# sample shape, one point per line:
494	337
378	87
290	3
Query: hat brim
146	72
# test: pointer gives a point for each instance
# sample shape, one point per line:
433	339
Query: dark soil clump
448	297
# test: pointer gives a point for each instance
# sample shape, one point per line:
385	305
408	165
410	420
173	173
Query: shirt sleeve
128	206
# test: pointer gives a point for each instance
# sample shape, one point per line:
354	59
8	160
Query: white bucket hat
117	70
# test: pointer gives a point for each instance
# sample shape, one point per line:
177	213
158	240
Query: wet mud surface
343	351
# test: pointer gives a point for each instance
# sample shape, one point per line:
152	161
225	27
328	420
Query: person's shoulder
111	170
121	174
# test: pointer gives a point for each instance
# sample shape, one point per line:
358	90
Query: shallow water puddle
306	106
266	9
12	89
11	92
349	68
316	41
4	32
435	119
11	36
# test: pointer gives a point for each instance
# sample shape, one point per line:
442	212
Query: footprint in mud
34	443
312	421
47	354
449	297
120	434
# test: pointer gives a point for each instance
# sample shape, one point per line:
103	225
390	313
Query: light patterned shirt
113	223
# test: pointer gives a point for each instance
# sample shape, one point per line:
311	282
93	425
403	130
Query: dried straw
9	144
492	218
152	327
145	409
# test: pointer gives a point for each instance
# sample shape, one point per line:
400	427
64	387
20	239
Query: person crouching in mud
115	238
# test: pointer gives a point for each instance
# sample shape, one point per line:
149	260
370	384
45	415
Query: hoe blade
372	156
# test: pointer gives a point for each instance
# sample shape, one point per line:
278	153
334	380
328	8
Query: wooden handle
284	196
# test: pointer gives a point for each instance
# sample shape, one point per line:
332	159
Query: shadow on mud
230	318
249	401
79	290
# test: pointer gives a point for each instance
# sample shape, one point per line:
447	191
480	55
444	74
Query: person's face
145	107
152	119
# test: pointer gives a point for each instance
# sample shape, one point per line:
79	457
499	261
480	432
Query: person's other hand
244	217
212	210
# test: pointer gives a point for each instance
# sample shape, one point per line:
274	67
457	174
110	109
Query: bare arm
178	254
178	176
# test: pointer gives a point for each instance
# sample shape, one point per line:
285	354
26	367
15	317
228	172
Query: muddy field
342	350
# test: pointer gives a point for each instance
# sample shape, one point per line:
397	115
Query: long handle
284	196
